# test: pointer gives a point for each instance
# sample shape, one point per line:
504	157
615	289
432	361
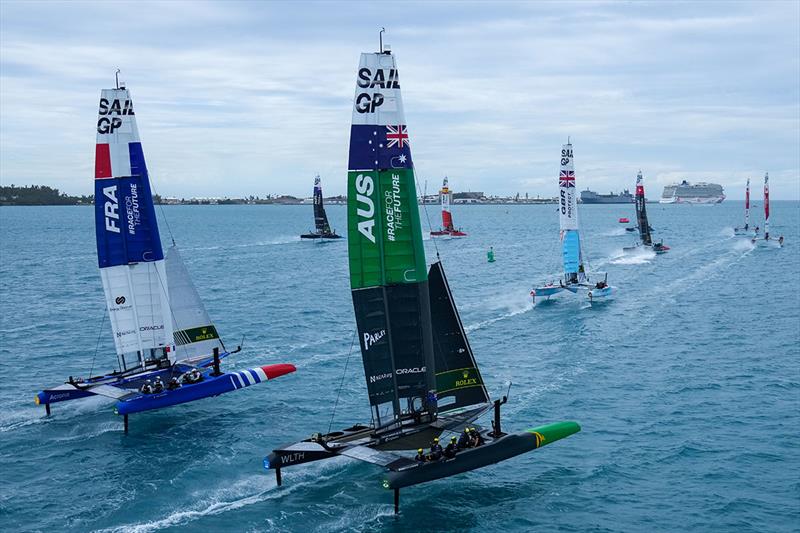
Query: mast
447	217
766	206
129	251
747	205
388	274
568	216
641	212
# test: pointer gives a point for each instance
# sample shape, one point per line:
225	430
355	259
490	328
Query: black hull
320	236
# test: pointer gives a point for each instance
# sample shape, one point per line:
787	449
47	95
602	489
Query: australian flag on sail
375	147
566	178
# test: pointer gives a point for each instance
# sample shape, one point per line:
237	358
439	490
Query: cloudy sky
237	98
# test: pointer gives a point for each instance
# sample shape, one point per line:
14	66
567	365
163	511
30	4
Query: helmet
466	430
435	439
419	450
452	439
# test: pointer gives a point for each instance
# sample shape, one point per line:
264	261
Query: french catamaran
323	229
448	229
575	277
422	377
168	349
746	229
645	230
767	240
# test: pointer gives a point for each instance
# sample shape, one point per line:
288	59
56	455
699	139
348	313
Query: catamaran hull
546	292
454	233
320	236
601	294
487	454
210	386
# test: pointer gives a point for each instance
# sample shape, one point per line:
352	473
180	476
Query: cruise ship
687	193
591	197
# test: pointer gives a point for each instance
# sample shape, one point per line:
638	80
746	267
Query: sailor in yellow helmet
463	440
436	450
451	449
420	457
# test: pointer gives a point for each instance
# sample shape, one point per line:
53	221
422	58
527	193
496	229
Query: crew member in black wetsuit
477	439
420	457
451	449
436	450
463	440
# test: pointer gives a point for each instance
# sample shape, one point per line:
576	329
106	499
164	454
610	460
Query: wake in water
616	232
639	257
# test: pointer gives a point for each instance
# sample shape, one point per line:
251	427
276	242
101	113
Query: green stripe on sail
460	378
203	333
384	231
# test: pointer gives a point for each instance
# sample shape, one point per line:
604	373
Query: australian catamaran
447	217
323	229
575	276
422	378
168	349
645	231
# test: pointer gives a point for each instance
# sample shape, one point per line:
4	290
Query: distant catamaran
767	240
745	230
422	377
323	229
169	351
575	277
447	217
645	236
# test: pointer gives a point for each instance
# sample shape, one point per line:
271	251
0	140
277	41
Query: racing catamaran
746	230
422	377
447	217
575	277
645	237
168	349
767	240
323	229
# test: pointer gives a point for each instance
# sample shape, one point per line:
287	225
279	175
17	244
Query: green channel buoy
490	254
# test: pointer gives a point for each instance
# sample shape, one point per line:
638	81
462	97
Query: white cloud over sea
238	98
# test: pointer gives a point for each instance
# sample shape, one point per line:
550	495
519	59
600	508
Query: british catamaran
645	230
575	277
767	240
746	229
168	349
422	377
323	229
448	229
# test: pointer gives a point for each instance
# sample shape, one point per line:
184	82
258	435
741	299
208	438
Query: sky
240	98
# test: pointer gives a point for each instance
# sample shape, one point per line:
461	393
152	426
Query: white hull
692	200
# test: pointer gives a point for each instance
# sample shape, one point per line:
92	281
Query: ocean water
687	386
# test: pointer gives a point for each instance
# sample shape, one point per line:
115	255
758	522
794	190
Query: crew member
451	449
477	439
463	440
420	457
436	450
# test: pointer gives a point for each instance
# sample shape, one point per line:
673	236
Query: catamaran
746	229
323	229
645	230
447	217
575	277
767	240
168	349
422	377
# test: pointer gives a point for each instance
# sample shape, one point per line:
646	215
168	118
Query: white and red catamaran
767	240
448	229
746	229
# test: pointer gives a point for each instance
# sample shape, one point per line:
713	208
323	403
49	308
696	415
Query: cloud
251	98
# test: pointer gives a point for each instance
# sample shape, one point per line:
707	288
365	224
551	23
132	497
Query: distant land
44	195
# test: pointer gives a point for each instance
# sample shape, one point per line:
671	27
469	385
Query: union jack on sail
566	178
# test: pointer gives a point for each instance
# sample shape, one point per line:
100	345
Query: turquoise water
687	386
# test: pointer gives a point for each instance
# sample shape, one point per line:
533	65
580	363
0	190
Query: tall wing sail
568	214
766	205
747	205
195	334
320	218
387	260
129	249
447	217
641	212
458	381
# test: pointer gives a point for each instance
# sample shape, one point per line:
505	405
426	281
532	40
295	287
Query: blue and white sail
568	218
129	249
